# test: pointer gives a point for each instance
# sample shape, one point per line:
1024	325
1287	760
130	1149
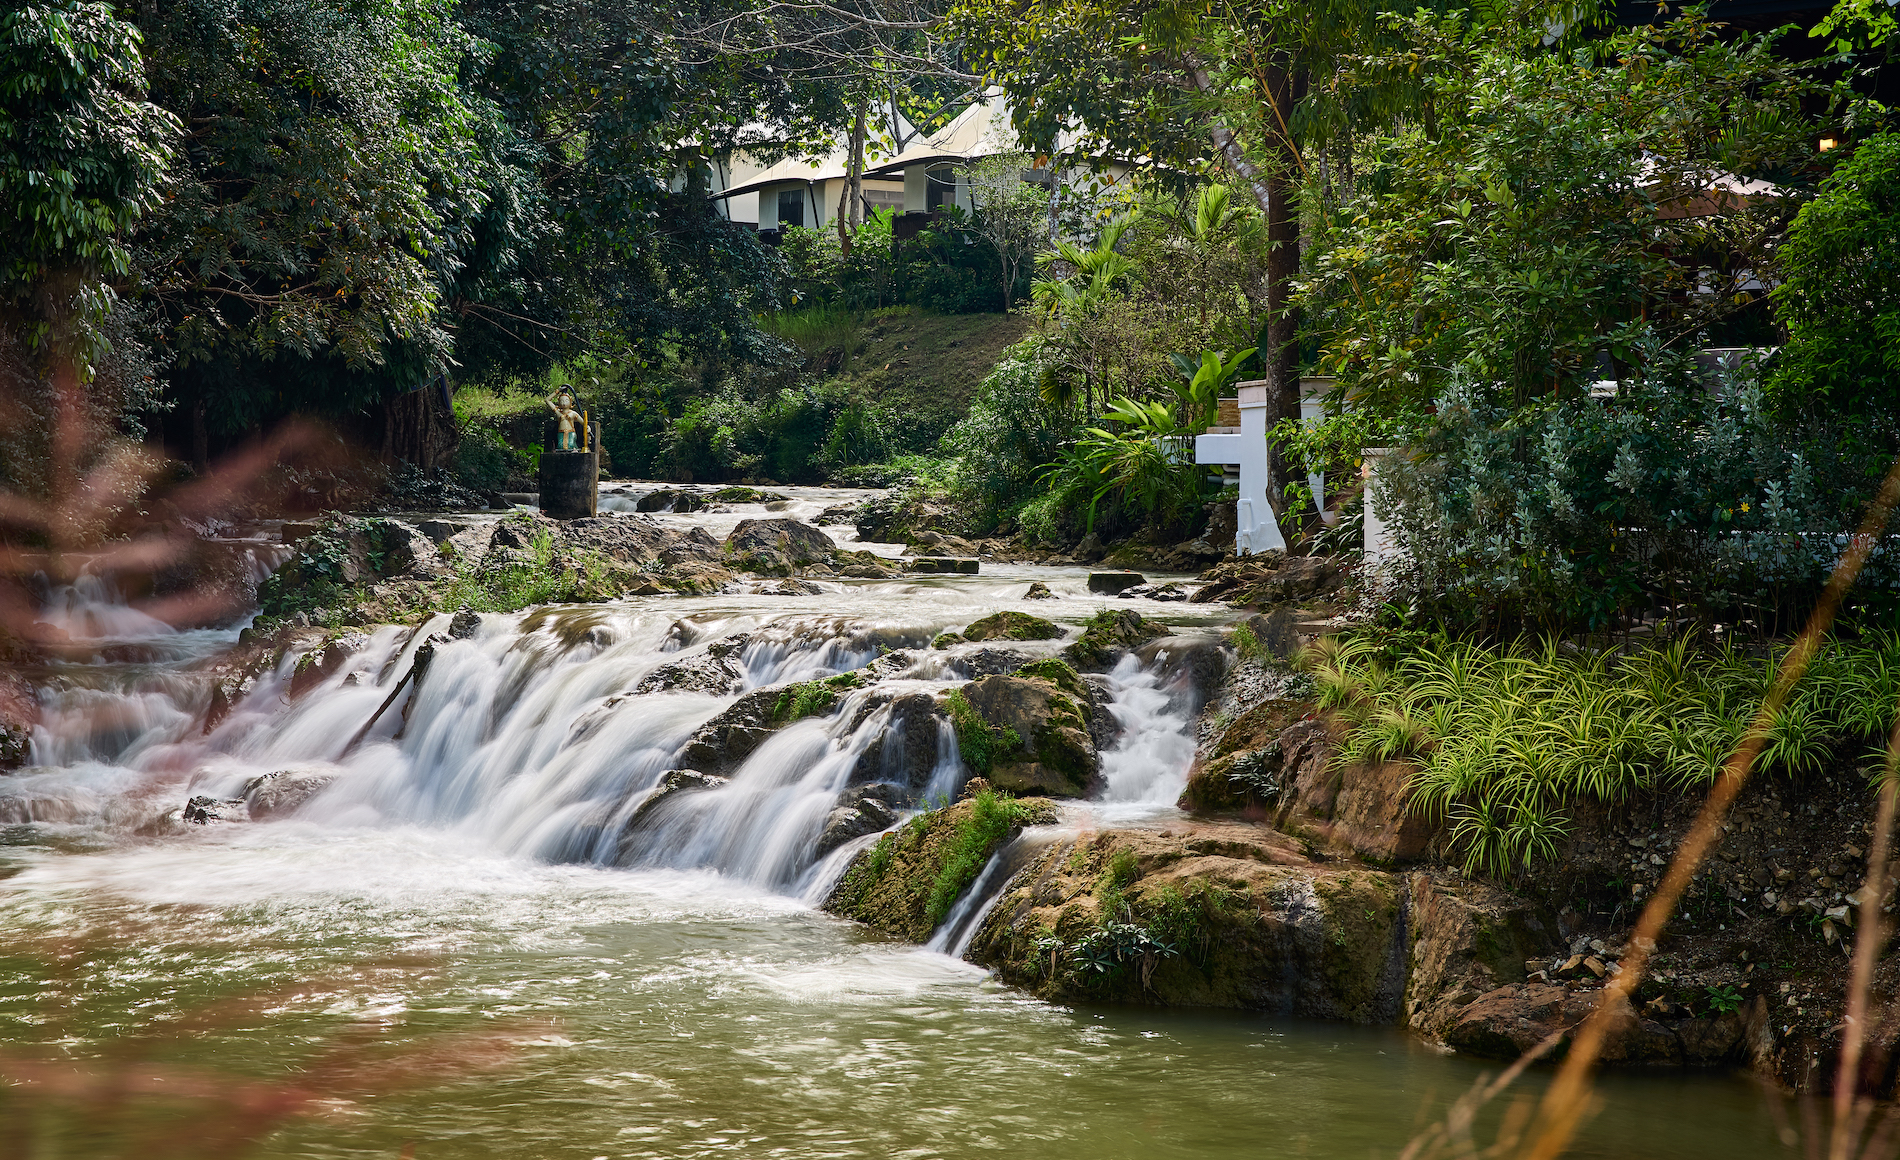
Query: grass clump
809	698
979	742
1505	738
992	818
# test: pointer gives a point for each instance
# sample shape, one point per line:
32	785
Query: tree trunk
851	196
200	437
420	428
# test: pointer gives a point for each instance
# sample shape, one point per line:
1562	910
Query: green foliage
1530	229
1142	469
1840	294
82	159
1671	494
1504	739
1724	1000
978	742
809	698
992	817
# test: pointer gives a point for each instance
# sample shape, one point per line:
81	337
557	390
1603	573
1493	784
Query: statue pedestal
570	484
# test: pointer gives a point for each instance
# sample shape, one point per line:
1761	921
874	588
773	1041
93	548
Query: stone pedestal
570	484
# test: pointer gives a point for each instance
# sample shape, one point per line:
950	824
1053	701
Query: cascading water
512	827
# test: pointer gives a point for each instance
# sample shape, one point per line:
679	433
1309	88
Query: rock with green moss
1108	635
1212	914
777	547
907	883
1013	626
1027	735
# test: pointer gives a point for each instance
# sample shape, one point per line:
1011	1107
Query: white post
1257	529
1380	547
1313	392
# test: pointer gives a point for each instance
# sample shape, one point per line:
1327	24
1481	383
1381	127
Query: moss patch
908	882
1059	673
1107	634
809	698
979	742
1013	626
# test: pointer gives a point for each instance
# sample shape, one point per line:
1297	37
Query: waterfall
551	734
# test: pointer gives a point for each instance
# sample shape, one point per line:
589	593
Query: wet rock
672	783
721	745
1013	626
1467	940
1505	1023
19	712
275	795
907	759
1271	578
717	671
778	546
739	494
789	587
319	665
1109	635
464	624
1111	583
906	884
1257	925
1194	662
200	811
1039	737
1161	592
859	812
942	565
988	662
1039	591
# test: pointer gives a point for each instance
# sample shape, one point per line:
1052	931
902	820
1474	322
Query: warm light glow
1828	143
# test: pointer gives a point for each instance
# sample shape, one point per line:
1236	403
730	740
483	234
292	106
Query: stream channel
681	998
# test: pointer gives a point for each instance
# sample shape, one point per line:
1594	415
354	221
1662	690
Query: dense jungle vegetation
411	220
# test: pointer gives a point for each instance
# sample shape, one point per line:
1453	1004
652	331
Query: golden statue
571	434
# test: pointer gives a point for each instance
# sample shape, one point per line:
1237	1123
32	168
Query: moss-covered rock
1109	634
1026	735
1013	626
906	884
1222	915
777	547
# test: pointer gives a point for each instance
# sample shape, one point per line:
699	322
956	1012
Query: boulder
1162	592
1211	914
1107	636
202	811
1195	662
1112	583
858	812
906	884
942	565
902	766
718	671
1467	939
777	546
1039	591
672	783
1271	578
275	795
721	745
1013	626
1039	740
19	712
1507	1022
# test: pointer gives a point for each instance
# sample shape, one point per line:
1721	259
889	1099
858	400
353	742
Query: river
460	887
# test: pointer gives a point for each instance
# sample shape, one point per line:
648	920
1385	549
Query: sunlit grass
1504	739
